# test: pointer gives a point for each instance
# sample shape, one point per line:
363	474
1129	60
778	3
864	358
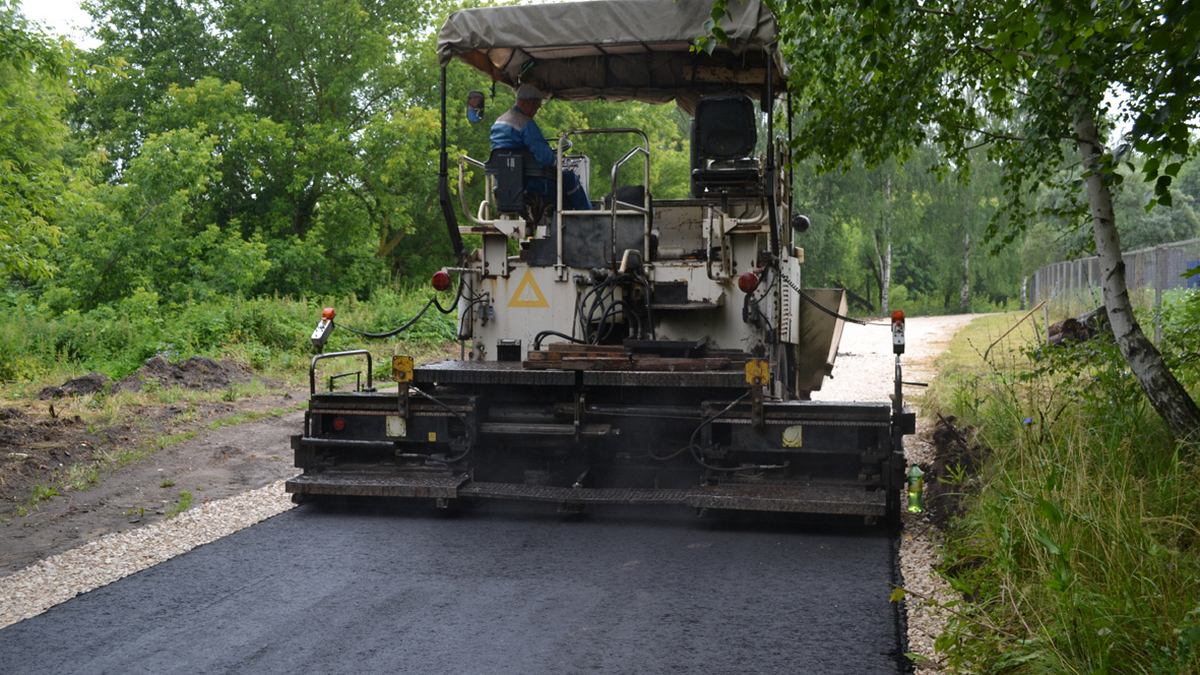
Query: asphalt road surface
500	589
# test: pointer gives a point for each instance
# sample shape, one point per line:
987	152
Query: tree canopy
1030	82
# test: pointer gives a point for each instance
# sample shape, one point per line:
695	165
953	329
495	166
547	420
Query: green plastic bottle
916	486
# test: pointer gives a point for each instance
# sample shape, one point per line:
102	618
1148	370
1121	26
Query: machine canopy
617	50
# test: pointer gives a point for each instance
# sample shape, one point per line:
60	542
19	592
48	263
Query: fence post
1024	292
1160	283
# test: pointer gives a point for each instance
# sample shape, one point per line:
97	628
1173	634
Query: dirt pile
92	383
198	372
954	474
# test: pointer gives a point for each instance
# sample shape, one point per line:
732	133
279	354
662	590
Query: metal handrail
726	253
462	190
312	367
645	212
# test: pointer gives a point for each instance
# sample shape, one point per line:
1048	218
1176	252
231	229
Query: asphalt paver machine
648	351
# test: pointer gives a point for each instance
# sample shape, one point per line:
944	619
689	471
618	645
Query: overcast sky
60	16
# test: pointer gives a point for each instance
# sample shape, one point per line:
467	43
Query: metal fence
1073	287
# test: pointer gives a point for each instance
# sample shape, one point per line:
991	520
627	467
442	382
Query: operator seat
511	168
724	134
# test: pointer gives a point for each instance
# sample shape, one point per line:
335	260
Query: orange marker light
898	331
329	313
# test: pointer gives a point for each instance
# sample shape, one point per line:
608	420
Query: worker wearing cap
516	130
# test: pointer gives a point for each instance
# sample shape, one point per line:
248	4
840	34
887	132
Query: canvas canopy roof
617	50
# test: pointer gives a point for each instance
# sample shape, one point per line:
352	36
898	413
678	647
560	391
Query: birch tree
1032	82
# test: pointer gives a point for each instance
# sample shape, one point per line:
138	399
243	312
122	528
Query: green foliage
1080	550
33	91
152	233
1002	75
118	338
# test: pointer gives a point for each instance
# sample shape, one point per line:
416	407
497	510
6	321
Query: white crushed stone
59	578
864	371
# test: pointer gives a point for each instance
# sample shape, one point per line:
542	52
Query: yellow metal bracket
402	369
758	372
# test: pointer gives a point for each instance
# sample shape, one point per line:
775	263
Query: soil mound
955	469
92	383
198	372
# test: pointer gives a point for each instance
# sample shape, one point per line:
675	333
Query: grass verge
1080	549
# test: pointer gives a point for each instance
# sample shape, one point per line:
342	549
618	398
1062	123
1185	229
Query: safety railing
312	370
629	209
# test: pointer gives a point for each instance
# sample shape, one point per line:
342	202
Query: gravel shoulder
863	371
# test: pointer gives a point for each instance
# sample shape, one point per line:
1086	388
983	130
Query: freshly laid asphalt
499	589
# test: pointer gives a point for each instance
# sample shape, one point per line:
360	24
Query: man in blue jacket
516	130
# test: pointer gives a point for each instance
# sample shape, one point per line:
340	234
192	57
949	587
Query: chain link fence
1072	287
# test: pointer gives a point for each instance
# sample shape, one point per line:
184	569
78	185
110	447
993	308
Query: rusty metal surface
731	379
543	493
813	498
425	485
490	372
828	499
544	429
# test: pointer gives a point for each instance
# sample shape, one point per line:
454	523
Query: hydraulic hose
433	302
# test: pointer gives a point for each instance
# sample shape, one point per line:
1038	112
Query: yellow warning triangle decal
528	294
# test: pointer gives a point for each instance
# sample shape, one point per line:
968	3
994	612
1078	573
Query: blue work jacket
514	130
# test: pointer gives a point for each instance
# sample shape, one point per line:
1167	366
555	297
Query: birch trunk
884	256
1166	394
964	296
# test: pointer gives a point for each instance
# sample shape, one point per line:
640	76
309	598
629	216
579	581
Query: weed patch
183	504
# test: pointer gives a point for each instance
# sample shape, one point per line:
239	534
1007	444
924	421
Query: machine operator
516	130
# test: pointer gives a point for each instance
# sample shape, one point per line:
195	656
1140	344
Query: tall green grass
268	333
1080	549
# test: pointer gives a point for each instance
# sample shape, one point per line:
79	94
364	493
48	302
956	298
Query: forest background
211	173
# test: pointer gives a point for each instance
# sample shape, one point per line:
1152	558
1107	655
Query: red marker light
339	423
440	280
748	282
329	313
898	331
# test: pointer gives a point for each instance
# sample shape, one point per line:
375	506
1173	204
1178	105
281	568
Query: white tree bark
884	257
1166	394
964	296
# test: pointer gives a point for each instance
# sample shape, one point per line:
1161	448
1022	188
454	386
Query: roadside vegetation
268	333
1079	551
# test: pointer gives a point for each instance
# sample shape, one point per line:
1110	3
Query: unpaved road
506	588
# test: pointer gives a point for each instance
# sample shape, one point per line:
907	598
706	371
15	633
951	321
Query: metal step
807	498
426	485
544	429
545	493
